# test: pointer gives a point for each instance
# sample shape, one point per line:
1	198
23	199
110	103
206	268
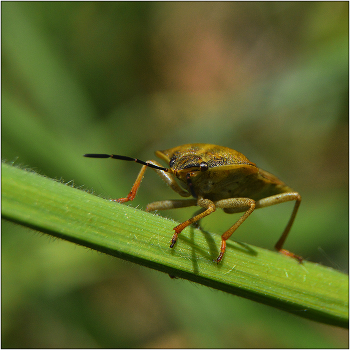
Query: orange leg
205	203
166	176
134	188
281	198
281	241
237	204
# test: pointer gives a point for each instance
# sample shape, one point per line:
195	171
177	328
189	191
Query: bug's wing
274	182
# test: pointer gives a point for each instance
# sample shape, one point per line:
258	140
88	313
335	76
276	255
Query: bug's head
185	166
185	162
203	161
189	169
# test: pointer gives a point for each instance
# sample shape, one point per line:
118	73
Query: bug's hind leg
282	239
280	198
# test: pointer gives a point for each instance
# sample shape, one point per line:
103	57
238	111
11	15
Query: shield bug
216	177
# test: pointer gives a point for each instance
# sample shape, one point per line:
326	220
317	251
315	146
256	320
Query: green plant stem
308	290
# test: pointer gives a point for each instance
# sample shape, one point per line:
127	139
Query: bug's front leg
167	177
134	188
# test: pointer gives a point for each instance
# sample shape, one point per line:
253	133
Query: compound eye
172	161
203	166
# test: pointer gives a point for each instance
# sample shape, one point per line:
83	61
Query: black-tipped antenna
115	156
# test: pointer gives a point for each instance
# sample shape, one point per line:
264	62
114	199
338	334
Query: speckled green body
217	177
229	174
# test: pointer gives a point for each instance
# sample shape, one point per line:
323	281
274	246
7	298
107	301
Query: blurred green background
267	79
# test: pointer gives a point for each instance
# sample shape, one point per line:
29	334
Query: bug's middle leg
207	204
173	204
234	205
204	203
197	223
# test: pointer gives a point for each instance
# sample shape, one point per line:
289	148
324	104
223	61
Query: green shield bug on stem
215	177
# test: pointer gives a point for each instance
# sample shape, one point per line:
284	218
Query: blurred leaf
267	79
